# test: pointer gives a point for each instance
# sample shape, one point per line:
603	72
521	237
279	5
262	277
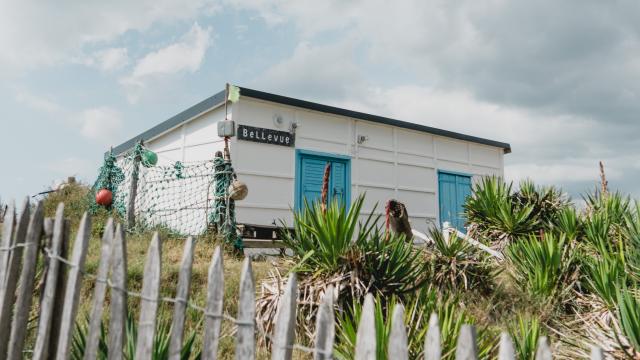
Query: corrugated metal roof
218	99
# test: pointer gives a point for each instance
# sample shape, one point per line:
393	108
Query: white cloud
71	166
101	124
110	59
34	33
185	55
319	72
37	102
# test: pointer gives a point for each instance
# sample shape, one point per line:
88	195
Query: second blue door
454	190
310	173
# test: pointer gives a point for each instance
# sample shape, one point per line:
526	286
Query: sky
558	80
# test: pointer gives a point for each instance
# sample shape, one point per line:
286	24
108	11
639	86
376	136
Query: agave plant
417	312
543	267
525	334
455	264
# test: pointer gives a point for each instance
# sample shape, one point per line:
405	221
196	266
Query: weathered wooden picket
22	237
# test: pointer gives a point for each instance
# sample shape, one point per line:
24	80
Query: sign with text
267	136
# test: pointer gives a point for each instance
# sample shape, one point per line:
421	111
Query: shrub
542	267
321	239
160	342
501	214
455	264
628	315
386	263
525	334
603	276
417	313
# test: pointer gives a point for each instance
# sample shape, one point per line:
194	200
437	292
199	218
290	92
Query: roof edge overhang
189	114
218	99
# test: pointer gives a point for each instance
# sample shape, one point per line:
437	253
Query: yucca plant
628	316
546	201
567	221
525	334
632	234
603	276
455	264
417	312
160	342
321	239
497	212
542	267
386	263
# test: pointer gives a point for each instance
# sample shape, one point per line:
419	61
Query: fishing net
186	198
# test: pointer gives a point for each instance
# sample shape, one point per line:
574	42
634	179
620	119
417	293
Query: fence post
150	300
7	237
544	351
432	347
118	315
41	350
10	283
398	344
213	316
133	188
466	347
366	335
61	284
325	327
74	281
27	282
285	326
506	351
97	308
245	339
182	298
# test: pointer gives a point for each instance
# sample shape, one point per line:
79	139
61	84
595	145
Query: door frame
300	153
448	172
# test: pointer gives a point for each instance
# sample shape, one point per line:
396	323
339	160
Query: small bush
500	214
417	313
628	315
543	267
455	264
525	334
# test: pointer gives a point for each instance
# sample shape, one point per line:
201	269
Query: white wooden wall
392	163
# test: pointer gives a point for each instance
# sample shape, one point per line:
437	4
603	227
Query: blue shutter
311	181
453	191
338	181
311	172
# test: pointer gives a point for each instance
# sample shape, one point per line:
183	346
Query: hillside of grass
76	203
570	274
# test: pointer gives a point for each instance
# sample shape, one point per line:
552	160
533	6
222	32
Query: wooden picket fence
24	235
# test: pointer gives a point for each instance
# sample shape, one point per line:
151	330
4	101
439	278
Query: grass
75	199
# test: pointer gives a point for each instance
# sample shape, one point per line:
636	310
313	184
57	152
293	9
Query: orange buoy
104	197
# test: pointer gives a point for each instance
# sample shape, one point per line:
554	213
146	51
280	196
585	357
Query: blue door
453	189
309	174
